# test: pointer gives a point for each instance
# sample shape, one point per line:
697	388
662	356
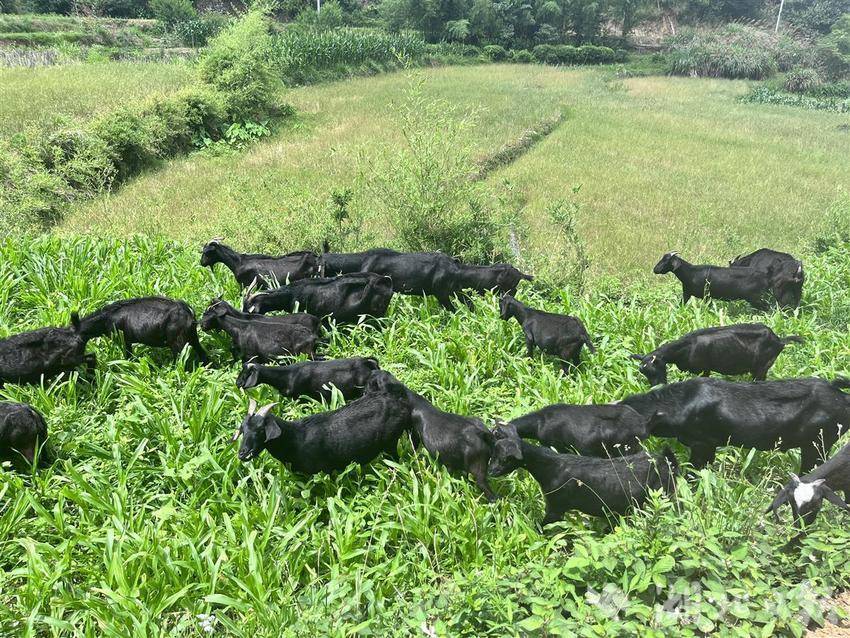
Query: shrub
236	62
495	53
171	12
566	54
545	53
522	56
802	80
833	50
423	188
735	51
590	54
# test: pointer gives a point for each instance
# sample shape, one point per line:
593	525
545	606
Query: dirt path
841	630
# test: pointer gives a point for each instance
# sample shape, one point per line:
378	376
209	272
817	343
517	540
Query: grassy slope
658	154
149	519
41	96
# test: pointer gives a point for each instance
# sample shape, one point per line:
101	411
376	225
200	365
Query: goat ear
833	498
252	407
818	482
263	411
795	479
272	430
636	357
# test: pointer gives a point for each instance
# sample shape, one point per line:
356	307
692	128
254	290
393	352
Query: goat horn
236	434
251	287
252	407
263	411
216	240
799	269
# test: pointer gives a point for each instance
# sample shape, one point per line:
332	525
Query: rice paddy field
148	525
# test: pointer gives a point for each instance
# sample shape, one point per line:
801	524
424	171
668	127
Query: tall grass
148	520
301	52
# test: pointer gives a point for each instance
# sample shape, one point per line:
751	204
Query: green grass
663	163
148	518
44	96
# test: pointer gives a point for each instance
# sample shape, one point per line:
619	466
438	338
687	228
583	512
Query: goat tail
373	363
522	275
75	320
792	339
326	246
588	343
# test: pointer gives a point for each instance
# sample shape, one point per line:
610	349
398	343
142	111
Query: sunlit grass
663	163
41	96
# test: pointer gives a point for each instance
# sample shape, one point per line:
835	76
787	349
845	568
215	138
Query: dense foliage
148	520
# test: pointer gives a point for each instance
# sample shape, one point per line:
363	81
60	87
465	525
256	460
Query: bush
495	53
833	50
236	62
566	54
522	56
590	54
735	51
424	188
171	12
545	53
802	80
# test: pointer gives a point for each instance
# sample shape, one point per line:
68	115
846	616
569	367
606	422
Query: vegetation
717	157
148	520
45	98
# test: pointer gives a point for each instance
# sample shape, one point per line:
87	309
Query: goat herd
610	473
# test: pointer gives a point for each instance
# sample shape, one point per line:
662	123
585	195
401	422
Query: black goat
594	430
259	337
717	282
502	279
432	274
463	444
151	321
806	495
784	271
705	414
311	378
744	348
333	264
22	431
47	352
345	298
559	335
588	484
355	433
249	267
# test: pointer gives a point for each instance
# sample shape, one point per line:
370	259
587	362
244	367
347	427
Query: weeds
147	521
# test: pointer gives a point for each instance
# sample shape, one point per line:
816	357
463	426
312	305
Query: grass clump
147	520
735	51
425	188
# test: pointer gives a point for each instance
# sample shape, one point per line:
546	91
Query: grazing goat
432	274
744	348
261	338
355	433
312	378
22	430
705	414
717	282
784	271
559	335
151	321
463	444
593	430
345	298
346	263
806	495
248	267
502	279
588	484
47	352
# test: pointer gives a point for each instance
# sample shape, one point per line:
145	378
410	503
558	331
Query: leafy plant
802	80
